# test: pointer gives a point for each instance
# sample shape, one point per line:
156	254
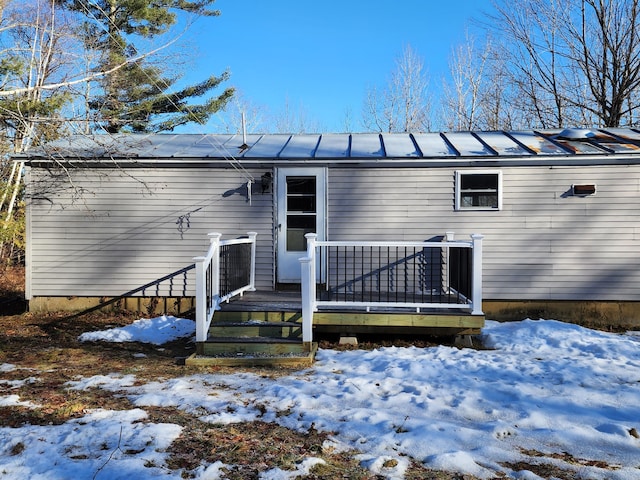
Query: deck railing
444	275
227	270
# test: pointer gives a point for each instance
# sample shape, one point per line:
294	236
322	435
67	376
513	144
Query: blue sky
321	57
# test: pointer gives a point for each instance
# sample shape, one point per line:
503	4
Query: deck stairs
271	336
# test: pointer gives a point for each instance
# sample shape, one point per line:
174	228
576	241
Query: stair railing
227	270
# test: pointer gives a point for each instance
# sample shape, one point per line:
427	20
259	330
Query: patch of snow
14	401
102	444
156	331
7	367
18	383
215	471
304	468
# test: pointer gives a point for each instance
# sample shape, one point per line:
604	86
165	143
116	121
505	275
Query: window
478	190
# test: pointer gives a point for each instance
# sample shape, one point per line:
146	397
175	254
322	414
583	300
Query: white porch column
476	240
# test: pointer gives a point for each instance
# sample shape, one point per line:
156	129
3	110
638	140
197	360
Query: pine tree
138	97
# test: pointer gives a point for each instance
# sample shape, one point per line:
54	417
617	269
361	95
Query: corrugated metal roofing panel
98	146
333	145
163	146
366	145
539	144
614	144
340	146
467	144
579	147
633	138
399	145
627	133
179	145
237	144
433	145
502	144
207	146
268	146
301	146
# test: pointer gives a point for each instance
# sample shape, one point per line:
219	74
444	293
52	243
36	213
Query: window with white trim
478	190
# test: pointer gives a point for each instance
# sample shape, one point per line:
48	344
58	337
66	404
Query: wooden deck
286	306
265	328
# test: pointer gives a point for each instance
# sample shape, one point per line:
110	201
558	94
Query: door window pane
297	227
301	210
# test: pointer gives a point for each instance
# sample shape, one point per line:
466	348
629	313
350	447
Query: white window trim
458	194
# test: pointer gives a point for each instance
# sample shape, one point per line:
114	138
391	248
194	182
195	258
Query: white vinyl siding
544	245
128	228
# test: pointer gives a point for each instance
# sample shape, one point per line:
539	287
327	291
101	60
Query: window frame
458	190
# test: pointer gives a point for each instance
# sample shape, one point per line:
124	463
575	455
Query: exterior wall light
265	181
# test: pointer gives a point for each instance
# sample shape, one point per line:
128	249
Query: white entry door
301	210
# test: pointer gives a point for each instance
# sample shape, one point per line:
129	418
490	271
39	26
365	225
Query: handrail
208	285
469	298
155	283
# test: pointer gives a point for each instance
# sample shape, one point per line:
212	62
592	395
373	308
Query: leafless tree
477	94
230	120
462	98
404	104
294	120
574	61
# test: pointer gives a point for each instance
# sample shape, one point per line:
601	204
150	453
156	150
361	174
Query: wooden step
239	346
254	340
253	351
256	323
265	314
256	328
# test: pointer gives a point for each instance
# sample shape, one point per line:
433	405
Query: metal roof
358	146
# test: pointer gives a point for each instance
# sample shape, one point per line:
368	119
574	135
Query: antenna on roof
244	145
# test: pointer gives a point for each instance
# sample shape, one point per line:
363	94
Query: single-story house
559	210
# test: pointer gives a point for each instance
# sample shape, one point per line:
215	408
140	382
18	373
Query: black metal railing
409	274
235	267
460	272
175	284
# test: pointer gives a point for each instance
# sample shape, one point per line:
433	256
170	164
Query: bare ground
48	344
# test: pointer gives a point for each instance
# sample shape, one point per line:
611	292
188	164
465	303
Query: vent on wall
583	190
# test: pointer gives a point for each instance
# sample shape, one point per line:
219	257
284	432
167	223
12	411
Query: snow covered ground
546	387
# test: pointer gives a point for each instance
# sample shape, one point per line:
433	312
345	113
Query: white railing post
201	299
308	288
444	270
252	277
476	282
206	301
214	238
